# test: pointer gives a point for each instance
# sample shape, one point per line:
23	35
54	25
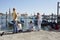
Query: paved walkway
41	35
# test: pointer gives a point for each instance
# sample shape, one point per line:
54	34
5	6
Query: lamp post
6	19
9	14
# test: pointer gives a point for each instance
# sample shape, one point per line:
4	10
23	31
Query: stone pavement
40	35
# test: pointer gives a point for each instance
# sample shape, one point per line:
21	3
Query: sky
29	6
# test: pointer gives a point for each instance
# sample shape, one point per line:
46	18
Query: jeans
15	28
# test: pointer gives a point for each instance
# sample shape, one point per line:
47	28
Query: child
31	26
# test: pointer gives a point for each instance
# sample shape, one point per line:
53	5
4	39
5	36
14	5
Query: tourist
14	15
31	26
37	22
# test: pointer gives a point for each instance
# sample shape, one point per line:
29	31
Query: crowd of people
36	24
33	26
